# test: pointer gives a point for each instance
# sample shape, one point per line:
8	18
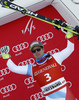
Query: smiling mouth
37	55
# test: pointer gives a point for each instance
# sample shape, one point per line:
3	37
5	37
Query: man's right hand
4	52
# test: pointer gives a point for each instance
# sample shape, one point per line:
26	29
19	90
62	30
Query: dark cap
35	43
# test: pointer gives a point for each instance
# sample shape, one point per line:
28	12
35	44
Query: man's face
38	52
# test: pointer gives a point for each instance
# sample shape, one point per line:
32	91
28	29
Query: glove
68	34
4	52
6	56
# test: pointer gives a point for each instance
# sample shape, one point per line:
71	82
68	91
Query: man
48	67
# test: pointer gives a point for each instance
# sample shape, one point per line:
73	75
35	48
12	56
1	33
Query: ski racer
52	83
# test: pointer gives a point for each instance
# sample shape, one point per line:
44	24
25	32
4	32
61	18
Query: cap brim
35	46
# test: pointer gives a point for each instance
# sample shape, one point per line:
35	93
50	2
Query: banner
18	35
